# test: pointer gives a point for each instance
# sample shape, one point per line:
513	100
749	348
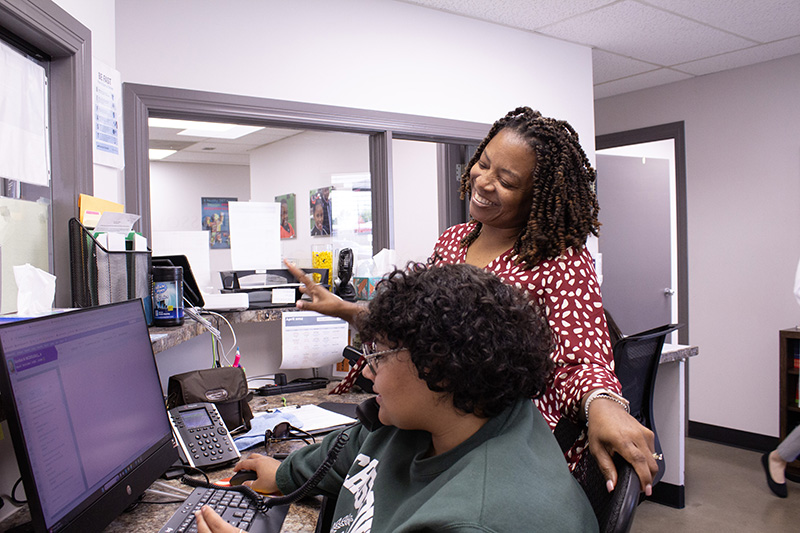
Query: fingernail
648	490
609	485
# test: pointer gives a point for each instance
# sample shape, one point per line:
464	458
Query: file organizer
101	276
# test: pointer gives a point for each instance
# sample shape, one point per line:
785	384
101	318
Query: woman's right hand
265	468
322	300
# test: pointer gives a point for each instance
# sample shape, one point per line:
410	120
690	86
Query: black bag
225	387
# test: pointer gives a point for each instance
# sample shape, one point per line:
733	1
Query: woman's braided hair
564	204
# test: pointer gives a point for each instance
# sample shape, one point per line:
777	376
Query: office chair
636	359
614	510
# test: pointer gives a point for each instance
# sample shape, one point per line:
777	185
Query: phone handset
367	414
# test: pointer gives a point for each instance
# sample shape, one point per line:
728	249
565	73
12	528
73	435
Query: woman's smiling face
502	182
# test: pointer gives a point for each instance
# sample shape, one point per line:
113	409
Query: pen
236	359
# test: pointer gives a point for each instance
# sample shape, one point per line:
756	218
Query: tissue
36	290
371	272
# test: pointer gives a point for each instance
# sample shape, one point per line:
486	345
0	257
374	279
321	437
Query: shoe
779	489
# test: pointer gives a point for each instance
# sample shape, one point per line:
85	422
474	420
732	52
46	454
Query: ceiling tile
742	58
525	14
640	81
607	66
761	20
635	30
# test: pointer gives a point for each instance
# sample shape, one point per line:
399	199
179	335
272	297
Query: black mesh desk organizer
100	276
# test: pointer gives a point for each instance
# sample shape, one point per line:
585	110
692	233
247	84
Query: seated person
455	356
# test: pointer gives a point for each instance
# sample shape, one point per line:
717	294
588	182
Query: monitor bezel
101	507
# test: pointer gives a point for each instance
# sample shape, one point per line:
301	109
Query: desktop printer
267	288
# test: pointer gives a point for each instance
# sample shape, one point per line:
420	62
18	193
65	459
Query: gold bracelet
604	393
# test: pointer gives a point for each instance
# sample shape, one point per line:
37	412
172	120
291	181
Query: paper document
311	340
314	418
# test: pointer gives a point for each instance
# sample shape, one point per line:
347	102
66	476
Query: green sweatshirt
509	476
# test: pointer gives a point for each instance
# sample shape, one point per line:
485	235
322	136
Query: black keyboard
234	507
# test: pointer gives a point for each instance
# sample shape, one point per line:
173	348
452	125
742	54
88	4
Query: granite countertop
147	518
163	338
677	352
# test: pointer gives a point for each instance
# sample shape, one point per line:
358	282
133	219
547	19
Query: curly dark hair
564	207
469	334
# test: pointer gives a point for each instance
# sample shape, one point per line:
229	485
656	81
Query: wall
299	164
99	17
176	190
743	187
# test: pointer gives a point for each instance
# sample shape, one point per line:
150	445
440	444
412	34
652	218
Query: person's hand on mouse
265	468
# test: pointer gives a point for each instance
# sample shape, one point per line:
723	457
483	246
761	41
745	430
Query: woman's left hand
208	521
612	429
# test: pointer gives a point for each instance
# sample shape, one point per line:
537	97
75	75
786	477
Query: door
635	240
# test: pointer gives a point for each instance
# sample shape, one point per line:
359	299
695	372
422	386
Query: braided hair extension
564	207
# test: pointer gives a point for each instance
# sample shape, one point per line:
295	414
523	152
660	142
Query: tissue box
365	287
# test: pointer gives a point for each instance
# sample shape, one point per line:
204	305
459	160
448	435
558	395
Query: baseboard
732	437
668	494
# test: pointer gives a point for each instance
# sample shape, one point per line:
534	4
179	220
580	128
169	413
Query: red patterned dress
567	289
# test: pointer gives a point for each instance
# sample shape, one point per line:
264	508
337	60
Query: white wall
416	197
743	188
176	190
299	164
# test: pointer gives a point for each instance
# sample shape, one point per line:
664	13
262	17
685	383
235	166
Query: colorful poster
288	215
215	220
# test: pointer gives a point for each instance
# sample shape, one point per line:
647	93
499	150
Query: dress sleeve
570	295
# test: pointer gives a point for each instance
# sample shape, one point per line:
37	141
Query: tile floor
726	490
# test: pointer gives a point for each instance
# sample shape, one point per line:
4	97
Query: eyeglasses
372	357
284	431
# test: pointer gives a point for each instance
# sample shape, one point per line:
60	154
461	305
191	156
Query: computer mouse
241	476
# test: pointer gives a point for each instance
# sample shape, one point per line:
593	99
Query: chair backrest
614	510
636	359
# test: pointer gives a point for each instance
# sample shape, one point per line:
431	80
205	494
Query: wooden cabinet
790	410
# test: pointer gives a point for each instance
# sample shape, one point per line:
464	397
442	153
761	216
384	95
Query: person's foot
778	488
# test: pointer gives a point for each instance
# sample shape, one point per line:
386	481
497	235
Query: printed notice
311	340
107	115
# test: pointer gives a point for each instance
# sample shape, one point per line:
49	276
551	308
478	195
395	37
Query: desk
147	518
670	419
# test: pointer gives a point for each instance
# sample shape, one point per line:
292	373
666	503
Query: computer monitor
86	413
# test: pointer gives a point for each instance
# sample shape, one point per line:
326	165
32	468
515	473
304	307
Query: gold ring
658	456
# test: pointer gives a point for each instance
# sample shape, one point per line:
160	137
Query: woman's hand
612	429
322	300
208	521
265	468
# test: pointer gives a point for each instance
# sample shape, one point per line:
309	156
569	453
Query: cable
265	504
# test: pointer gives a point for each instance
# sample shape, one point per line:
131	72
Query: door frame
674	131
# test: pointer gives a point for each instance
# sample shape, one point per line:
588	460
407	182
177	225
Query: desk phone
203	440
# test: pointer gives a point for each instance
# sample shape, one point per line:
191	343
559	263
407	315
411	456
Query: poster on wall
320	211
288	215
214	214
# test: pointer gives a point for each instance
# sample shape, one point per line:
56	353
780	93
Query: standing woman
533	205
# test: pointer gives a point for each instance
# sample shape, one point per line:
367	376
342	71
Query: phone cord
265	504
311	482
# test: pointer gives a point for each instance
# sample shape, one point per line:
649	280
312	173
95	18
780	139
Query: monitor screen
86	413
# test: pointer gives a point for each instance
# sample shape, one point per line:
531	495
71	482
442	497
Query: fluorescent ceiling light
156	154
192	128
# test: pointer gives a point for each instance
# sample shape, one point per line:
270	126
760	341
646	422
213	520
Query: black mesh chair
614	510
636	359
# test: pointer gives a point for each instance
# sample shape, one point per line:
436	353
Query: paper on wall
255	235
311	340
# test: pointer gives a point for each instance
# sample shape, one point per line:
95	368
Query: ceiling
640	44
636	44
